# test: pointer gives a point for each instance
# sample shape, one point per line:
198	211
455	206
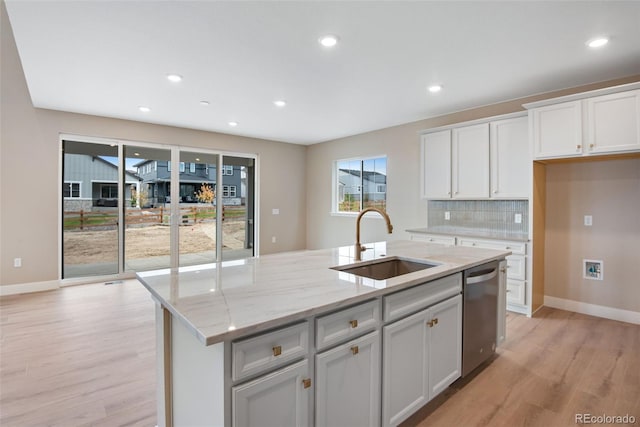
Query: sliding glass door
89	209
136	207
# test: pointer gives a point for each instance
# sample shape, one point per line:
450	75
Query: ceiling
108	58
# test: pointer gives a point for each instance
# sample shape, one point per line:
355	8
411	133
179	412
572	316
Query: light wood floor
85	355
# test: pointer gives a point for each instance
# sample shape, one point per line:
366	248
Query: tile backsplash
479	216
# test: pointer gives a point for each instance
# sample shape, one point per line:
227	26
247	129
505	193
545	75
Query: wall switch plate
517	218
588	220
275	211
17	262
273	239
447	216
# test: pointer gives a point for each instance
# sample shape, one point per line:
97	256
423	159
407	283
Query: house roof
368	175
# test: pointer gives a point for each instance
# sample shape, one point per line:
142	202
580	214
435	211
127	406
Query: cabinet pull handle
353	323
503	270
306	383
508	290
591	146
277	350
578	147
355	350
435	321
432	322
495	191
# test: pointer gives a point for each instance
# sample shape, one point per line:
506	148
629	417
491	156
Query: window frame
71	183
335	192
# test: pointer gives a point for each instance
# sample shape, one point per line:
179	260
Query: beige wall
610	192
29	184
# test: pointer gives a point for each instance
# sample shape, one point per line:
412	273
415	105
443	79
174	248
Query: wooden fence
84	220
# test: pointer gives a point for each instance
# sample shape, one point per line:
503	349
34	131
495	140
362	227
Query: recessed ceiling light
280	103
435	88
204	103
174	78
197	159
329	40
136	154
233	124
144	109
598	42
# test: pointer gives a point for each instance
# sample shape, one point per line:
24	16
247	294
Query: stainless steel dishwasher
480	304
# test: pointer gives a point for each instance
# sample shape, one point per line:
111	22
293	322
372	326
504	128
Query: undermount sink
387	268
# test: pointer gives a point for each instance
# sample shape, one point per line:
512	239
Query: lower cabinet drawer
433	238
516	292
516	267
418	297
346	324
515	247
269	350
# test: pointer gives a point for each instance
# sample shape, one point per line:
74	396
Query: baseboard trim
593	309
25	288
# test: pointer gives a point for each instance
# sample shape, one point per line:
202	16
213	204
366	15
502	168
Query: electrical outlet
588	220
17	262
273	239
517	218
275	211
447	216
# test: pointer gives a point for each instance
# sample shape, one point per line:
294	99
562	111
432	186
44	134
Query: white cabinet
422	355
348	383
490	159
557	130
470	162
594	125
436	165
510	159
433	238
501	332
281	398
613	122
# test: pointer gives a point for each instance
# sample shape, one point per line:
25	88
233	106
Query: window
169	166
228	191
109	191
181	167
192	168
71	190
227	170
360	184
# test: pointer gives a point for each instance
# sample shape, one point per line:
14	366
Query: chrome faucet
360	247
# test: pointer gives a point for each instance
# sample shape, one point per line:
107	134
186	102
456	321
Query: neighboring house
91	182
156	181
374	185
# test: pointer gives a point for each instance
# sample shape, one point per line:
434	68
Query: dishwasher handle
482	277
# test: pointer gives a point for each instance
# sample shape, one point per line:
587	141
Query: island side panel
197	380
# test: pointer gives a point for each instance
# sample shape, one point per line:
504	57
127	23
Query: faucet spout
359	247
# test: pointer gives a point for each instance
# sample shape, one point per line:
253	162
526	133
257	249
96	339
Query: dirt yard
85	247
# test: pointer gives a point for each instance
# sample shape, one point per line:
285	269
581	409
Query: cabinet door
510	159
348	384
278	399
405	368
470	161
613	122
436	165
557	130
445	344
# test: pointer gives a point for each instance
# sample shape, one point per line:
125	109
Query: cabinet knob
591	146
277	350
353	323
432	322
578	147
355	350
495	191
306	383
503	270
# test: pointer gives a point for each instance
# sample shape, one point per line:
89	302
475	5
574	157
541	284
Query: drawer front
346	324
516	292
432	238
269	350
413	299
515	247
516	267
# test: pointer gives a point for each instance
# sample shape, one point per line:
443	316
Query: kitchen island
241	341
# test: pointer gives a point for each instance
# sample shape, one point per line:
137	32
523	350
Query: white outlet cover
275	211
517	218
588	220
447	216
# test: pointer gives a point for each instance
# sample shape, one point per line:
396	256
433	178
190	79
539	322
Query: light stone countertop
229	299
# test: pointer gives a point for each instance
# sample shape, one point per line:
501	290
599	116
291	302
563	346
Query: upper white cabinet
436	165
477	161
613	122
510	161
597	125
470	162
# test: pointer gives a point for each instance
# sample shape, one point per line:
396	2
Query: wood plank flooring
85	356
